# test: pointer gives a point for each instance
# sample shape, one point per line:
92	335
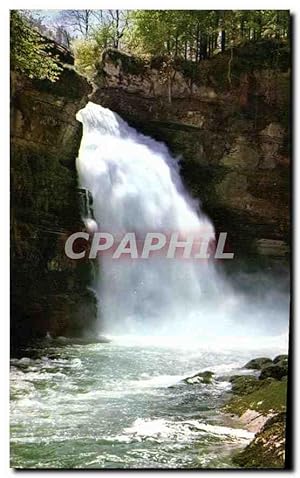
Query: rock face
48	290
232	137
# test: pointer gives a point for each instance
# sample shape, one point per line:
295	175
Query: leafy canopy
30	52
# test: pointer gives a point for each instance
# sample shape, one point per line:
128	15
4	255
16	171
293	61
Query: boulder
258	363
201	377
276	371
281	358
244	384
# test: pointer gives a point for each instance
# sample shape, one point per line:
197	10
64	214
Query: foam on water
110	405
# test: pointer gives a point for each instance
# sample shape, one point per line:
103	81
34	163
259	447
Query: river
122	404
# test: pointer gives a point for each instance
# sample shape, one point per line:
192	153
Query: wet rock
276	371
258	363
281	358
201	377
253	420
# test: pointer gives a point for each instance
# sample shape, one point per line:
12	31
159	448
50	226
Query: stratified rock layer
48	291
232	138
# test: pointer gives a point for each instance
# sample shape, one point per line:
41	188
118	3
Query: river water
122	404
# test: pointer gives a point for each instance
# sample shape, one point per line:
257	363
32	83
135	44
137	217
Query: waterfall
135	185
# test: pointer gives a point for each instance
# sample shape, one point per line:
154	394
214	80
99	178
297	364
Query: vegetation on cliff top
30	52
181	37
187	35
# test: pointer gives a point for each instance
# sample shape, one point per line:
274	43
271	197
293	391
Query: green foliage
186	36
86	53
198	34
30	52
104	36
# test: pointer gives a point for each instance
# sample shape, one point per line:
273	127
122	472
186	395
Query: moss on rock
244	384
268	398
262	401
281	359
277	371
258	363
267	450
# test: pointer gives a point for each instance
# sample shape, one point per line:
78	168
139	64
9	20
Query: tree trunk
185	50
86	24
176	45
117	24
204	46
209	46
223	41
197	54
169	89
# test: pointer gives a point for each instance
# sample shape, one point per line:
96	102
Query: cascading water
136	187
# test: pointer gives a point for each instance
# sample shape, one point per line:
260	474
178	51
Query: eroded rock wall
48	291
229	129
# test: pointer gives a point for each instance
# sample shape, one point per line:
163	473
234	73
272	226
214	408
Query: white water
124	406
136	187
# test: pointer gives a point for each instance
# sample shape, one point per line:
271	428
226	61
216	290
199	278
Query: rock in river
201	377
258	363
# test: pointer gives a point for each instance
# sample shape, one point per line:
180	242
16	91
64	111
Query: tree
110	29
79	21
104	36
198	34
194	35
61	35
30	52
117	23
86	54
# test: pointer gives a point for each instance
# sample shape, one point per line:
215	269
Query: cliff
48	291
225	118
